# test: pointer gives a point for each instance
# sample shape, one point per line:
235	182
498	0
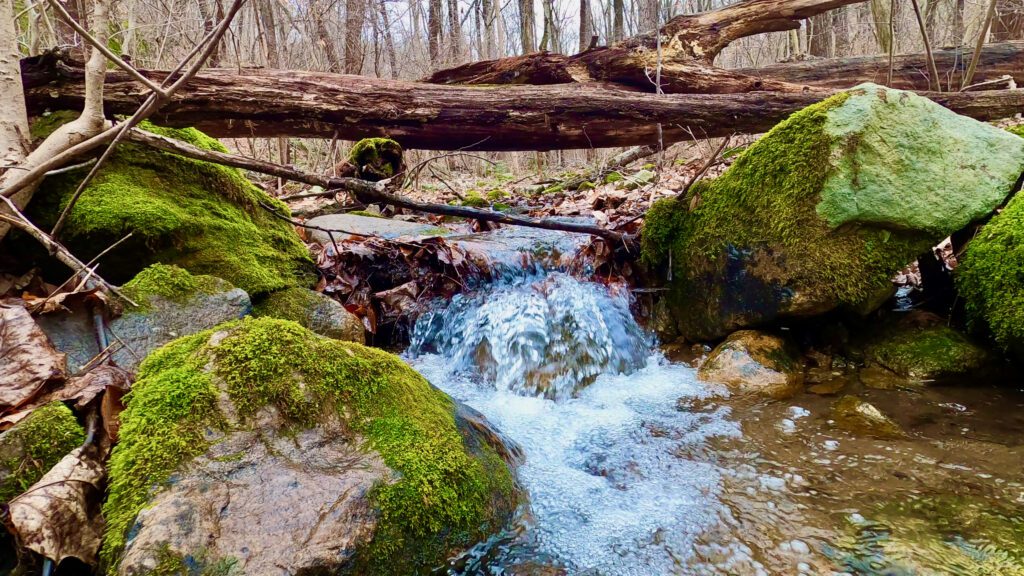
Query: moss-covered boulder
376	159
990	278
862	418
302	454
203	217
755	362
926	353
34	445
318	312
825	208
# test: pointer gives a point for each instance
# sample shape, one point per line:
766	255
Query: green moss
496	194
443	499
295	304
613	177
764	204
990	278
586	186
169	282
376	158
927	353
1018	130
34	445
473	199
366	213
202	217
46	124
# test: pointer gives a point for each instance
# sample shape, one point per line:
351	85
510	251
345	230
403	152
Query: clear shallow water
561	367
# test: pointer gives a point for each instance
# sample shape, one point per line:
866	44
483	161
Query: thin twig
982	36
933	71
711	161
91	262
892	39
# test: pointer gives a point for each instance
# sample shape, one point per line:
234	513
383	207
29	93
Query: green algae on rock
34	445
778	234
754	362
990	278
203	217
926	353
272	379
318	312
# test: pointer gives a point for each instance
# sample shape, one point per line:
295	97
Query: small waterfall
616	471
545	335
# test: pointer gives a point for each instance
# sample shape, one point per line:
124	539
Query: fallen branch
364	191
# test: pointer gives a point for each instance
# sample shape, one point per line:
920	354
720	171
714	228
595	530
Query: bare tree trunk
324	38
490	44
550	40
14	136
269	25
619	15
841	32
586	26
527	27
648	14
355	17
819	34
454	32
880	15
208	11
389	41
434	32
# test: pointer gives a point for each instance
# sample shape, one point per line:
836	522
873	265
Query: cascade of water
563	369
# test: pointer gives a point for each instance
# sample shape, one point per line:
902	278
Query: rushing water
632	466
563	369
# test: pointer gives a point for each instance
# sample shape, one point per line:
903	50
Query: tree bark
820	32
434	32
586	26
618	22
910	71
267	103
489	16
355	17
527	26
324	38
454	32
269	25
14	135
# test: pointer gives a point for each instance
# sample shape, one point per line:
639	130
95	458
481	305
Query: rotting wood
267	103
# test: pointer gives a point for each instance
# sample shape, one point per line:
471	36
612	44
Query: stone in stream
928	353
259	447
205	218
318	312
825	208
34	445
347	225
755	362
990	278
172	303
855	415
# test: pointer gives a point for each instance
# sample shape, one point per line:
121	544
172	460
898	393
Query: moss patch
927	353
761	215
200	216
990	278
34	445
169	282
444	499
1018	130
376	158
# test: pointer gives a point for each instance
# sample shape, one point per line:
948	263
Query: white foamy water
613	469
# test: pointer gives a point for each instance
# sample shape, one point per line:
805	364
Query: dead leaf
28	362
85	388
110	410
59	516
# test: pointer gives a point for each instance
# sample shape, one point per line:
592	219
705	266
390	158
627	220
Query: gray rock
346	224
321	314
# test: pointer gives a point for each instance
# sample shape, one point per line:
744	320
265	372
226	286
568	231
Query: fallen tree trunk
267	103
910	72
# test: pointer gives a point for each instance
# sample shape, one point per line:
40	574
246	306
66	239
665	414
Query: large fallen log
266	103
910	72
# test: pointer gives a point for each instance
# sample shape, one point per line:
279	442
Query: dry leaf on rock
59	516
28	362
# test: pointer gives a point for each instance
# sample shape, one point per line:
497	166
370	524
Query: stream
634	466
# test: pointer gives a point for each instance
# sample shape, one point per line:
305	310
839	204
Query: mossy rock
822	210
376	159
318	312
1018	130
34	445
342	443
990	279
202	217
473	199
613	177
855	415
755	362
928	353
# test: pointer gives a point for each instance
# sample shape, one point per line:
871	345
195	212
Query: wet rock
825	208
318	312
926	353
855	415
259	447
754	362
345	225
173	303
203	217
880	378
34	445
829	387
